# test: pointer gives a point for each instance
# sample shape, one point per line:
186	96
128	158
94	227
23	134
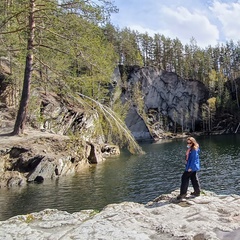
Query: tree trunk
236	92
22	111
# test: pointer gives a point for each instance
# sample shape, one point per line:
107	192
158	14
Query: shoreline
208	216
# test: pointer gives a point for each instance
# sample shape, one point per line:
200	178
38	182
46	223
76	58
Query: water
131	178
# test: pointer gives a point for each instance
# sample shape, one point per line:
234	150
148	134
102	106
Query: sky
209	22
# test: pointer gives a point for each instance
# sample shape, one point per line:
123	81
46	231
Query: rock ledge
209	216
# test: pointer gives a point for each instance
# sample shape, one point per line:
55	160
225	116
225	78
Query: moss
29	218
93	213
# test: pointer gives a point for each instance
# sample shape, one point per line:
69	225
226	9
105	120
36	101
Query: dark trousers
185	182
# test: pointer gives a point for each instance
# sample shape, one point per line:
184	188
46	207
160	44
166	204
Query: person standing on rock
191	168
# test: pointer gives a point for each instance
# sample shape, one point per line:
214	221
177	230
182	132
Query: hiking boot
195	194
181	196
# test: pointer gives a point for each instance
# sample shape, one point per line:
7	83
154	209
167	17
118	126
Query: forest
72	48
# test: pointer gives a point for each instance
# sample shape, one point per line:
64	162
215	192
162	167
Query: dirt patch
30	136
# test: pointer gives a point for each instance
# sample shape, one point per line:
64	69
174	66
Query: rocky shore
208	217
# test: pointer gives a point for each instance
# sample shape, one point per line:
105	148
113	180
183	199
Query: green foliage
67	35
29	218
76	49
212	104
58	40
138	100
212	80
93	213
226	99
110	125
34	116
130	52
77	143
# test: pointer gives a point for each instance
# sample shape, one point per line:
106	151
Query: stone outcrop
42	155
137	125
47	111
208	217
12	179
60	137
165	95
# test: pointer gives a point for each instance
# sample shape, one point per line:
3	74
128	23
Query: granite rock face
137	125
208	217
165	95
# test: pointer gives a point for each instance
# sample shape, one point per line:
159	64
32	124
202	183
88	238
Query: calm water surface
131	178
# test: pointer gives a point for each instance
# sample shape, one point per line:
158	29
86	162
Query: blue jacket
193	160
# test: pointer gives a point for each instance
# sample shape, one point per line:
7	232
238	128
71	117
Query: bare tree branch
14	31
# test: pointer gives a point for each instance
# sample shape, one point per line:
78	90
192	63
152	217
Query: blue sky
209	22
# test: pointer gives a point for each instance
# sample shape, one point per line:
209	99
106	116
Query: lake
131	178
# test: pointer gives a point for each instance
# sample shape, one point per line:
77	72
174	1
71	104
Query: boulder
10	179
110	150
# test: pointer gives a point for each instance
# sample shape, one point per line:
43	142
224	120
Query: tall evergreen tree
58	27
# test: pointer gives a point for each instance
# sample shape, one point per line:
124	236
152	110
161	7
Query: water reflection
131	178
221	160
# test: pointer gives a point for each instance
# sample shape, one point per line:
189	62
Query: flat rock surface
209	216
29	135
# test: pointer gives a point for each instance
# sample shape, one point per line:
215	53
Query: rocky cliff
42	155
168	100
49	148
163	101
208	217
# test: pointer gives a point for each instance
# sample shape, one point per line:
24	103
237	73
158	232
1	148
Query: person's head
192	143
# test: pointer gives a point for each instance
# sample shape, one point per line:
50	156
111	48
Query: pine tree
53	37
